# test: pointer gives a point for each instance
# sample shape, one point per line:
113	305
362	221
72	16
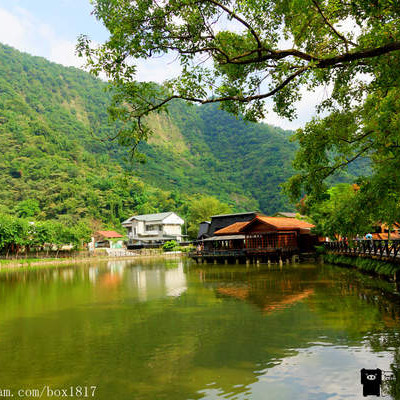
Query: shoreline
25	263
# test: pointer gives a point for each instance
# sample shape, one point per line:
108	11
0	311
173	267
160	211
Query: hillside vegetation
57	163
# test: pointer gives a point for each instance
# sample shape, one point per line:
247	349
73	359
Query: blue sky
49	28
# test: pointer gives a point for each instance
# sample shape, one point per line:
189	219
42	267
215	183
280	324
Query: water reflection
174	330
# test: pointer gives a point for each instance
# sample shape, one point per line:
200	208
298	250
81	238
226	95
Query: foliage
19	234
170	245
243	43
202	209
342	212
365	264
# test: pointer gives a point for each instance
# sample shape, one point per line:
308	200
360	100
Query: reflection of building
154	228
157	283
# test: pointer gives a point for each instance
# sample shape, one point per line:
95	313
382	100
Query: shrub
170	246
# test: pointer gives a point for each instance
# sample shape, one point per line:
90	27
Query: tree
202	209
243	52
28	208
342	212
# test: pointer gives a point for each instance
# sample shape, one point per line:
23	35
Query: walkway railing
217	253
242	252
372	248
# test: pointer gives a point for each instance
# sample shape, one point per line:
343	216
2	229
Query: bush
170	246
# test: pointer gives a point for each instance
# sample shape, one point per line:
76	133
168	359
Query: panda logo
371	380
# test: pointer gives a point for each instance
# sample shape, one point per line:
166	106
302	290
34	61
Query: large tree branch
241	99
358	55
339	35
239	19
332	169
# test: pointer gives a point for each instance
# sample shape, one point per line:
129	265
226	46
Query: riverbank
369	265
50	262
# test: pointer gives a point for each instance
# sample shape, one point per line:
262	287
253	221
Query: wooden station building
262	239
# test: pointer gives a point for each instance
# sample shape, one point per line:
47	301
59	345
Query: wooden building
269	234
227	238
222	221
262	238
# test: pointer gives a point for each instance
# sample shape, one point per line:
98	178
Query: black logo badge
371	380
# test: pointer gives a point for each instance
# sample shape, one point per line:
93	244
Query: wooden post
280	262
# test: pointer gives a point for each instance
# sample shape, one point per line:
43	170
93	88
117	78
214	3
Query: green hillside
54	128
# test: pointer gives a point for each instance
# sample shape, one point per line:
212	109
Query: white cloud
13	30
63	52
158	69
22	30
305	109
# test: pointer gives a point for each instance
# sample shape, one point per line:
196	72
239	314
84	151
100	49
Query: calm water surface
177	330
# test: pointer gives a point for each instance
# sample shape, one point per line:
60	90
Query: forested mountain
56	161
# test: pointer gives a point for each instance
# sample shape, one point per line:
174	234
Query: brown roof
109	234
395	226
384	236
282	223
233	229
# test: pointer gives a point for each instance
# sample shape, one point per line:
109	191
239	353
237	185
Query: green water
176	330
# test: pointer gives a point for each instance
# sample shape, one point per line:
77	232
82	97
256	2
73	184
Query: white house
154	228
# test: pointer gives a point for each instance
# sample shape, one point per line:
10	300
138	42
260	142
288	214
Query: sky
49	28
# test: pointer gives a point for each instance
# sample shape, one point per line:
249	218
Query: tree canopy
242	53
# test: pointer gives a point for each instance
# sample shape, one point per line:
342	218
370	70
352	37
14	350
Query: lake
171	329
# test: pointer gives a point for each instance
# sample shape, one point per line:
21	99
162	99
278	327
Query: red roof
281	223
110	234
233	229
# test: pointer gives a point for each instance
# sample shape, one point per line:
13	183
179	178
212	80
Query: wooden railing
217	253
241	252
375	248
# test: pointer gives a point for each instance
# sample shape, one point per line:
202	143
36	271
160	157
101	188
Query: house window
151	227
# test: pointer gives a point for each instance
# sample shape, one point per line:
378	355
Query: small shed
107	239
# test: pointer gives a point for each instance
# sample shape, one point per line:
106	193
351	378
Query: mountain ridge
55	127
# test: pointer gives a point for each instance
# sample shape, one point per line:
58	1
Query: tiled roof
384	236
231	229
110	234
283	223
149	217
235	215
395	226
287	214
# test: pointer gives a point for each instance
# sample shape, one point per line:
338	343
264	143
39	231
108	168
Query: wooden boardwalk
387	250
246	255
